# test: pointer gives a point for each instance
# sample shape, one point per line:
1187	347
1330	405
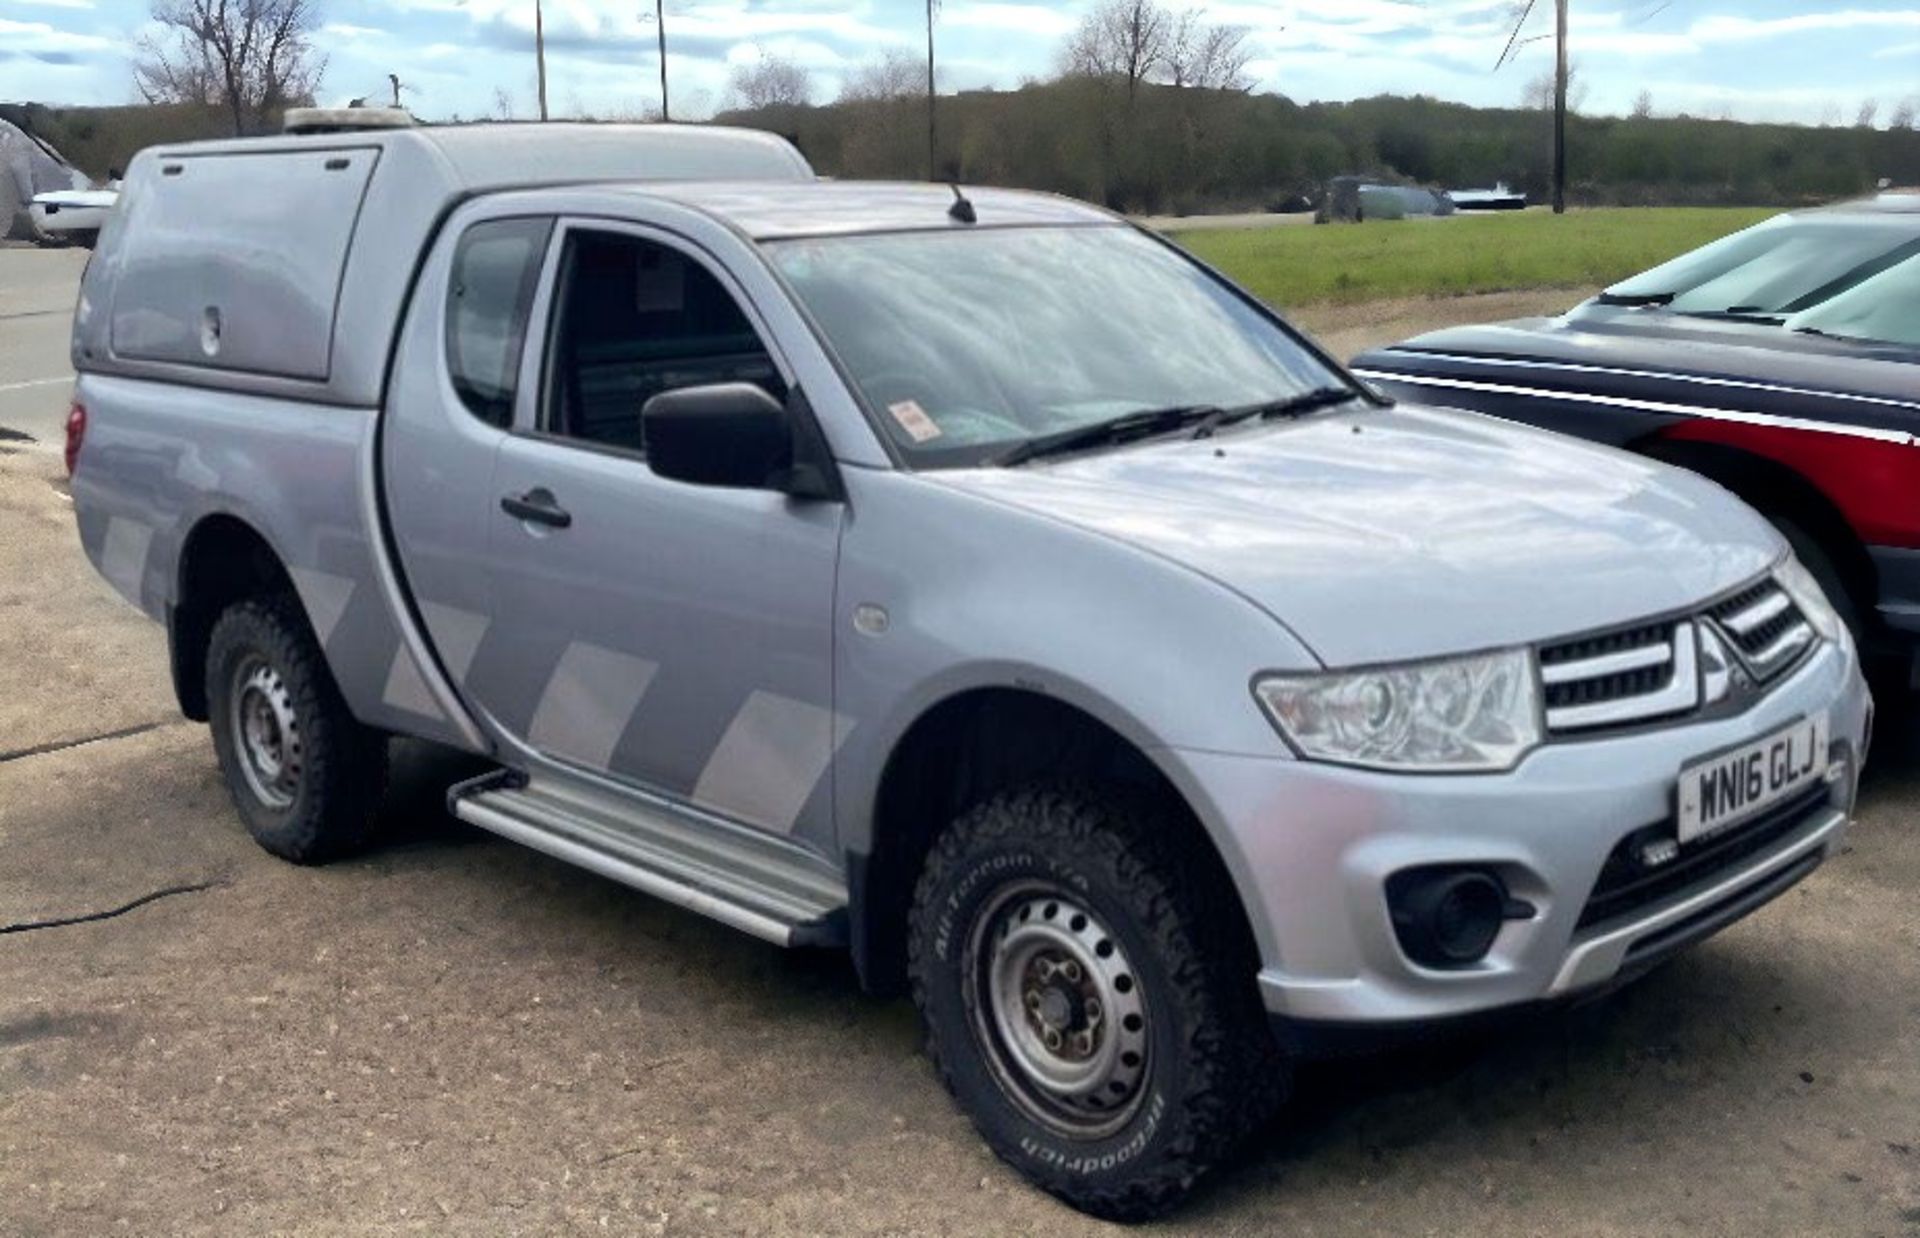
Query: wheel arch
223	559
963	747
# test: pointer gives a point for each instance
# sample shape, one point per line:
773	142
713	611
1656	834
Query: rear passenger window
495	270
636	319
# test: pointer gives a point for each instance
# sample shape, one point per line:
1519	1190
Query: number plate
1725	790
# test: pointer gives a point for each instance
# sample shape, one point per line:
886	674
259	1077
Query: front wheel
304	774
1087	1000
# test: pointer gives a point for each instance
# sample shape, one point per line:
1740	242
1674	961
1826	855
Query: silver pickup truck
969	580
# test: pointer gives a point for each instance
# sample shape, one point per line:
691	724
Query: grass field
1448	257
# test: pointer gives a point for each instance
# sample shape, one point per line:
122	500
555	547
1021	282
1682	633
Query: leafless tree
1903	113
771	81
1539	93
896	75
1207	57
1126	40
1137	41
251	57
1868	113
1643	105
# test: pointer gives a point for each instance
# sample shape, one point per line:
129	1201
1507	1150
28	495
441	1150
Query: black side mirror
721	434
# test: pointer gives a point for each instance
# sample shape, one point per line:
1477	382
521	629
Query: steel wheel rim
266	733
1057	1008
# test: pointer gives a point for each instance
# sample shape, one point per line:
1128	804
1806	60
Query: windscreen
965	343
1776	268
1884	309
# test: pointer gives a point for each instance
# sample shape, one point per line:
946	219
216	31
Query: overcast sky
1801	60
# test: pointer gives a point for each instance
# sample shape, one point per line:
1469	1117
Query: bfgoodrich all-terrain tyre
1089	998
304	774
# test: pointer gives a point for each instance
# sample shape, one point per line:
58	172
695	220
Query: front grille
1627	884
1652	671
1765	625
1628	675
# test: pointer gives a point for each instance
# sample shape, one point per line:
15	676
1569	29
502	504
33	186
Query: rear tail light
76	434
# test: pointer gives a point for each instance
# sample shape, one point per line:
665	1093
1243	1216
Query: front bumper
1311	847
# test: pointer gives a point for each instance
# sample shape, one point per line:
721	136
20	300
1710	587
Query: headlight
1473	713
1807	594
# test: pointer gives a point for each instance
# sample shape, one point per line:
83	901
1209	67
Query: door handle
537	505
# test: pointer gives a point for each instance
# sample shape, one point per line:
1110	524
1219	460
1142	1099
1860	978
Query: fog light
1449	917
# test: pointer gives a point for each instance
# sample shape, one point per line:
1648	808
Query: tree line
1191	150
1150	109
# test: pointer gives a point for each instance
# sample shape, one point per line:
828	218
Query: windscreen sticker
914	420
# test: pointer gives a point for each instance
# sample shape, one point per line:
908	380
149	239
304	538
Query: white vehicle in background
75	215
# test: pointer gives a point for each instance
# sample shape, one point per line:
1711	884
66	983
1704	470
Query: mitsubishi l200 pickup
966	579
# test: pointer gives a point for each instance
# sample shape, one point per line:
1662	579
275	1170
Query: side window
634	319
495	270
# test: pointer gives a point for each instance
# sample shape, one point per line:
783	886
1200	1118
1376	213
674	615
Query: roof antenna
962	210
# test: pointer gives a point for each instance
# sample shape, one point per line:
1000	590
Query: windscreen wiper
1147	422
1823	334
1741	313
1635	300
1309	401
1288	406
1127	427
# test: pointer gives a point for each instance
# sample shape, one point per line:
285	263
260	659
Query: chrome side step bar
763	886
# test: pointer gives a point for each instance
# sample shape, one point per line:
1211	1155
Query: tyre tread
1236	1079
346	762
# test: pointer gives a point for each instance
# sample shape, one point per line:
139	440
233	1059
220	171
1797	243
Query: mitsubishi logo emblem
1721	675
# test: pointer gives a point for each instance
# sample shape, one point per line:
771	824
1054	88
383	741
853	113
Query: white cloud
1041	21
704	19
36	36
1720	29
347	32
1783	104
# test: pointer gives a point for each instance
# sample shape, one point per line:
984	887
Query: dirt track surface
455	1035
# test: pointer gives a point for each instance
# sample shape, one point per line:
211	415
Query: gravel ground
455	1035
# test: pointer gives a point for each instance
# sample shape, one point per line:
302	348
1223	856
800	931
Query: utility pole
660	26
1560	110
540	56
933	147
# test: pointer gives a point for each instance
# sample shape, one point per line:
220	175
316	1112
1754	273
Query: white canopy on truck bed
281	264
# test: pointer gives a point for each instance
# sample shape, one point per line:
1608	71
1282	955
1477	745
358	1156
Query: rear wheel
1086	1000
304	774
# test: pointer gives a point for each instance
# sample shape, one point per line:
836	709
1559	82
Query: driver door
675	637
